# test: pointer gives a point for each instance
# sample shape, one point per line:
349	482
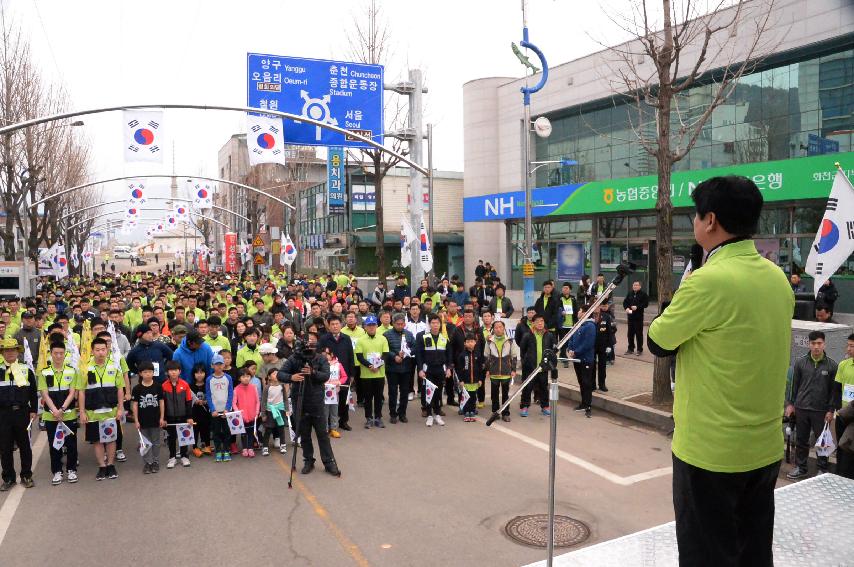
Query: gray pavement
409	495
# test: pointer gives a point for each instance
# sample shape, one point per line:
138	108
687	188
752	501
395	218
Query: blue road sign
348	95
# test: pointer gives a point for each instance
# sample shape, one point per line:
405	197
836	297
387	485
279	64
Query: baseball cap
370	320
217	359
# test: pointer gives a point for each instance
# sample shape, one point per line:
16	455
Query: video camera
303	352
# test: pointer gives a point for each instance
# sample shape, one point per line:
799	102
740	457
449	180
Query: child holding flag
337	376
201	413
219	393
147	406
58	383
273	414
469	367
246	401
177	402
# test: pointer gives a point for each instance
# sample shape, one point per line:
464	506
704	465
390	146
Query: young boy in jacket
177	402
501	358
219	391
469	367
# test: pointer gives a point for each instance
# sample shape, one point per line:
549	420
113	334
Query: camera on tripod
303	353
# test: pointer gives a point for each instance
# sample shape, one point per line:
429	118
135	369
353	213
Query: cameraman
730	322
307	371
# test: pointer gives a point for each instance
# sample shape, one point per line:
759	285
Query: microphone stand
549	363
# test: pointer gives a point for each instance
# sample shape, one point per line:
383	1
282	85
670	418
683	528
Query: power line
47	39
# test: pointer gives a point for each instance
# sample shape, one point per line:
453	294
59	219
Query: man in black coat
605	341
635	302
308	381
342	347
549	306
534	345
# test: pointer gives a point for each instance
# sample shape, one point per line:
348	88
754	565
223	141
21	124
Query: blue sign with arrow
347	95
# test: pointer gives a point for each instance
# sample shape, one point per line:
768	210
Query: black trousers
634	333
600	358
504	387
807	421
584	375
449	389
398	392
202	429
220	433
172	438
561	333
436	402
373	388
70	447
343	406
318	423
539	385
844	459
724	519
13	427
356	382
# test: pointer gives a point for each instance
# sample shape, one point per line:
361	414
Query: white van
121	252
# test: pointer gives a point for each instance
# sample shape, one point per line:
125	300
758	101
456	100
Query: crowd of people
179	355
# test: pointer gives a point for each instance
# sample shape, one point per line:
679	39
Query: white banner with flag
74	351
186	436
426	253
131	213
245	253
265	140
143	131
62	431
834	242
407	241
202	192
429	390
28	355
136	193
289	251
182	214
75	260
58	261
235	422
171	221
108	430
159	228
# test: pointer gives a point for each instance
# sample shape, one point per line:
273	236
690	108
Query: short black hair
851	337
538	316
735	200
815	335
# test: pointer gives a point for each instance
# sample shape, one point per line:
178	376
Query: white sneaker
185	462
283	449
429	421
439	420
276	442
411	396
72	476
170	464
120	456
57	478
265	452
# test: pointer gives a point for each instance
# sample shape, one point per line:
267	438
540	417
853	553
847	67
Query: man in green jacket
730	322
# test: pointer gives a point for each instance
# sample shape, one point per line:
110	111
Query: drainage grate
532	530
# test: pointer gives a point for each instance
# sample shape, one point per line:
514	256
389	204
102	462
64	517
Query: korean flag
62	431
144	445
202	192
430	389
136	193
426	254
330	394
181	213
108	430
265	140
235	422
834	242
143	131
186	437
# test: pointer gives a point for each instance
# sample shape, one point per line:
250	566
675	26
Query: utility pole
415	177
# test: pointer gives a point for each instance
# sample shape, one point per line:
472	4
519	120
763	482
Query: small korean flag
265	140
62	431
235	422
430	389
330	394
351	400
144	445
425	253
132	213
75	260
143	134
202	196
289	251
182	214
464	397
108	430
834	242
136	192
186	437
159	228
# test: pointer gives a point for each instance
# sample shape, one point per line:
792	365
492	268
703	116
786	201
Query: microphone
696	256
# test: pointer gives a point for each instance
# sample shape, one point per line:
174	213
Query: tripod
549	363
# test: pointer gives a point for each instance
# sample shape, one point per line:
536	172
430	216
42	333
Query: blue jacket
189	358
583	341
155	352
209	394
461	297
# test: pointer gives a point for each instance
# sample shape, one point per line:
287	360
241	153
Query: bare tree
655	72
370	42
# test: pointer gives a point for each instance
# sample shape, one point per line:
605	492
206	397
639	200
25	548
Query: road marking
13	499
579	462
345	542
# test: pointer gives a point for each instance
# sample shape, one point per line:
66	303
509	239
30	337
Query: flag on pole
108	430
407	241
235	422
143	134
62	431
834	242
289	251
182	214
58	261
116	354
28	355
265	140
72	348
464	397
136	192
186	436
144	444
426	254
202	193
351	399
245	253
75	260
430	389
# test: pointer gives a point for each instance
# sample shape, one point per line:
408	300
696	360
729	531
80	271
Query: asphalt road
409	495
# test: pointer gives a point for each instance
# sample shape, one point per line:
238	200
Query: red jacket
178	399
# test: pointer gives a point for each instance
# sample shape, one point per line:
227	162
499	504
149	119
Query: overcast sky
194	51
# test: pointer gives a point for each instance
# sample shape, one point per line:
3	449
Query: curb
637	412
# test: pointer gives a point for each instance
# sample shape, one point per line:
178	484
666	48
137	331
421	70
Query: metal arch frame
108	224
228	211
216	179
87	219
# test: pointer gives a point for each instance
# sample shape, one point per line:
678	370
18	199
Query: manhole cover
533	530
